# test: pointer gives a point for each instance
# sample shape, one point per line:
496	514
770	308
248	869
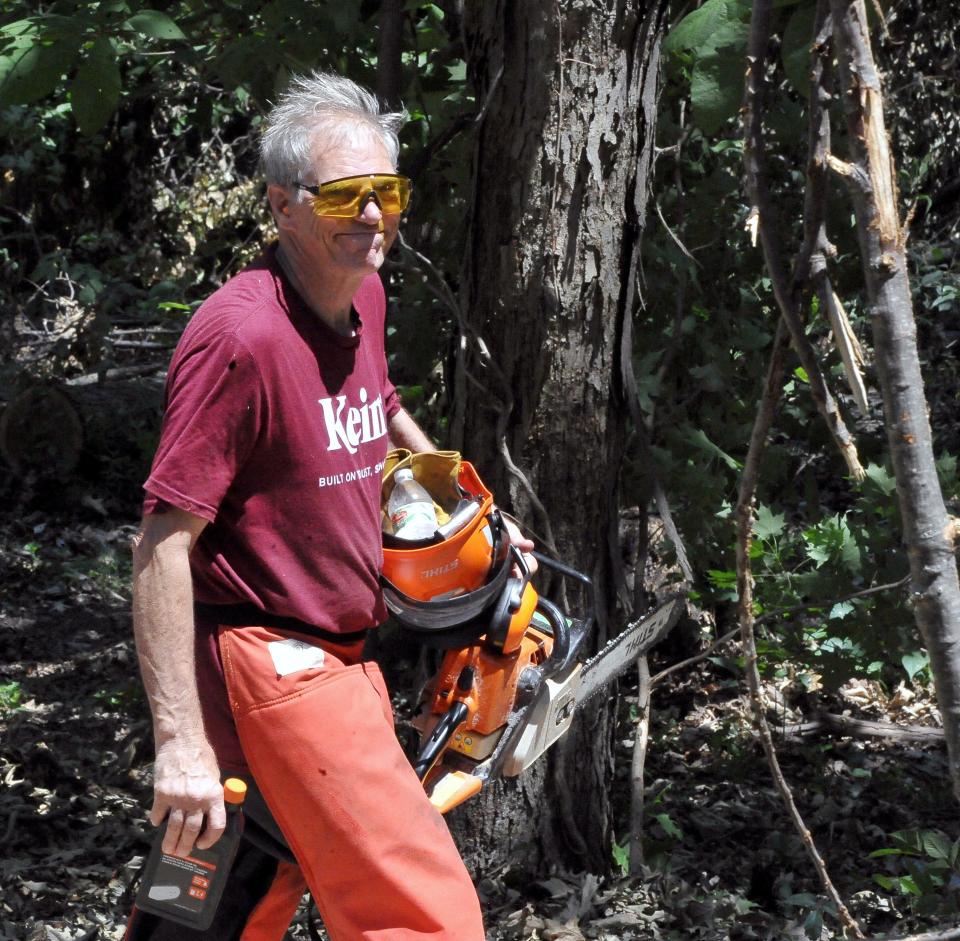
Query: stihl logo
440	569
652	628
348	427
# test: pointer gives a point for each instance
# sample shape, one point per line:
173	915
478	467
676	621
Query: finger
159	810
192	825
174	826
216	824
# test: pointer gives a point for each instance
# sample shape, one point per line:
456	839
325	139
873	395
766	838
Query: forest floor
723	861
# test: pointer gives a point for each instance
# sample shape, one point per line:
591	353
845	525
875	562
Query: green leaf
914	662
722	579
95	90
621	856
840	610
10	695
696	28
154	24
936	845
26	27
669	827
885	882
716	83
813	925
698	438
947	472
30	70
881	479
909	840
768	524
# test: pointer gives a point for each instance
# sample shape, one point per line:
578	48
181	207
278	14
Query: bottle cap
234	790
403	474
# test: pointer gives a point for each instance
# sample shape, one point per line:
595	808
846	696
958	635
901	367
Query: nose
370	211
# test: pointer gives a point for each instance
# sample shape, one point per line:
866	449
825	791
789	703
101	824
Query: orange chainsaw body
494	690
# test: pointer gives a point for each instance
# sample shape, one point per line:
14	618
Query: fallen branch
864	728
949	934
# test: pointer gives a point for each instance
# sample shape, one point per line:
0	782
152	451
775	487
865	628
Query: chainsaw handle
561	637
568	572
442	733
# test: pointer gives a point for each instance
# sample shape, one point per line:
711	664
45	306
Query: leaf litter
721	861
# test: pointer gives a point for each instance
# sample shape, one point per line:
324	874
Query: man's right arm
187	787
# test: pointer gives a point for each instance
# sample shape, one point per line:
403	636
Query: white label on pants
291	656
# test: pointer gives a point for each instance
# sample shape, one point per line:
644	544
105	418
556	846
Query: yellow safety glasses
346	198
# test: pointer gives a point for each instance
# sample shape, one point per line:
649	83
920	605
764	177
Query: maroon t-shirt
275	430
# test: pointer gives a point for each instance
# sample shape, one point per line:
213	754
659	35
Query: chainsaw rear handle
442	733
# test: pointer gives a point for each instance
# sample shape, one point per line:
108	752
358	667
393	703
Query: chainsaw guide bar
627	647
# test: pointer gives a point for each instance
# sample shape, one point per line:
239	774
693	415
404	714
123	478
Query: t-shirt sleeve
391	401
214	413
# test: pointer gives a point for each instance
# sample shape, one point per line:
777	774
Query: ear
280	204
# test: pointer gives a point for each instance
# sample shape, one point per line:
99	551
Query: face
342	248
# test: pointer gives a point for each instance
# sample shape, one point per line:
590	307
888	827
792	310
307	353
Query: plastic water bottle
187	889
410	508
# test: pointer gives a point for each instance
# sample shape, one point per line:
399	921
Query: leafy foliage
707	323
923	866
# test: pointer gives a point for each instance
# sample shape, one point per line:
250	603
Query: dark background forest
129	192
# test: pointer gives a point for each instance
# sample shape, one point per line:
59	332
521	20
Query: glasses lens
393	192
344	198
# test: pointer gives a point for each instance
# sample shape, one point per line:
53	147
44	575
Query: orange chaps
317	732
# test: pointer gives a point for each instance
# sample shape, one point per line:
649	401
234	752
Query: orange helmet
445	581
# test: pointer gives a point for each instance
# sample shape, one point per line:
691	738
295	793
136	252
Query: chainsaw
501	699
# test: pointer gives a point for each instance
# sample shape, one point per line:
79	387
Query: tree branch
850	173
763	213
758	44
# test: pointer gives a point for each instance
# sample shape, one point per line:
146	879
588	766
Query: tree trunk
567	95
389	53
927	530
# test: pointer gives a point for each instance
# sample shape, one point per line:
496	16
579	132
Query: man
256	567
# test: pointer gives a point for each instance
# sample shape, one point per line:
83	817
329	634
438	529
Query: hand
526	546
187	791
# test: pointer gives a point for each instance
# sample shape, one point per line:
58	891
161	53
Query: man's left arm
404	432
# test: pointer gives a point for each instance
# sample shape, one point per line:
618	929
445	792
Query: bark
567	97
927	530
389	53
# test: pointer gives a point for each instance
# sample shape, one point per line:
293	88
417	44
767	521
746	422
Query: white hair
321	106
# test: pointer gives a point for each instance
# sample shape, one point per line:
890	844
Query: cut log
41	432
51	430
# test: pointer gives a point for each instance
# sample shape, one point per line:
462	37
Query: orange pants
317	733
